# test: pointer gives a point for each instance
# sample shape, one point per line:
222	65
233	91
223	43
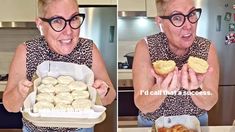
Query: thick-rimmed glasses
59	23
178	19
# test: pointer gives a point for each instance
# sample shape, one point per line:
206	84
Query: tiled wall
10	38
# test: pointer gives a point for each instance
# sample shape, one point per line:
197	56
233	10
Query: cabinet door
97	2
131	5
18	10
151	8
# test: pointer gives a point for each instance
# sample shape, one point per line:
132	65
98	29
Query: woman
59	21
176	41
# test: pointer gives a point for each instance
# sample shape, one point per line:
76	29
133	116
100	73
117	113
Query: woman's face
179	37
65	41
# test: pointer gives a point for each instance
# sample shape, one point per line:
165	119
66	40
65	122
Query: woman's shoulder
85	41
202	40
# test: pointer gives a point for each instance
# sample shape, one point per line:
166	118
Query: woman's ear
159	22
39	25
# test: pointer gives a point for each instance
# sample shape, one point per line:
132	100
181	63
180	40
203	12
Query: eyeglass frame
49	20
170	17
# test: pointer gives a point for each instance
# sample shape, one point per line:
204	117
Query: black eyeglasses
59	23
178	19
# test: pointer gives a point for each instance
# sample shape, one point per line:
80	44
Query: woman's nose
67	30
187	24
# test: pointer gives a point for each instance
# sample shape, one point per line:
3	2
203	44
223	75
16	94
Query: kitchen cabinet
17	10
131	5
97	2
151	8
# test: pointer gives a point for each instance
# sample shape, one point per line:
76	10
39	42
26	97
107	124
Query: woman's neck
178	51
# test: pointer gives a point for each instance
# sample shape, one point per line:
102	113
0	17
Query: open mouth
65	41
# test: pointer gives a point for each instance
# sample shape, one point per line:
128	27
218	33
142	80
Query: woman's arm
210	83
101	75
17	85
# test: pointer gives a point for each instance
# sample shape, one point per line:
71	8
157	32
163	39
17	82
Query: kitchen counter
2	85
203	129
124	74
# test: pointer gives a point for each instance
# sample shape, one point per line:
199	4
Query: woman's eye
177	18
58	21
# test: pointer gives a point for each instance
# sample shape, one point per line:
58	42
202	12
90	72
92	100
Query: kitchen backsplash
10	38
130	31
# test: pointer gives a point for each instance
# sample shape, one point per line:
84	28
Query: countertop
2	85
203	129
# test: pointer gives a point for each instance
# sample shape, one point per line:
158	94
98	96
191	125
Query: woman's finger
184	76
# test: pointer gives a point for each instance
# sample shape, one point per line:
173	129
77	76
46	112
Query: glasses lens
177	20
58	24
194	16
76	21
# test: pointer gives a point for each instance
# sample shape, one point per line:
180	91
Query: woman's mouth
65	41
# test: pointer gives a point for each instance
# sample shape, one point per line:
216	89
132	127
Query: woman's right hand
23	87
170	82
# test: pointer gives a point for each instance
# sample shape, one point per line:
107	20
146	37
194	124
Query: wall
130	31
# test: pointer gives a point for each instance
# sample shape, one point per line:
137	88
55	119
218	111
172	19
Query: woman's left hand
101	87
191	80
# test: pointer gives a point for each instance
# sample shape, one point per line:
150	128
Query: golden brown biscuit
164	67
197	64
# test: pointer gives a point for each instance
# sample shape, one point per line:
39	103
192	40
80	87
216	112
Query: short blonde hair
42	7
161	6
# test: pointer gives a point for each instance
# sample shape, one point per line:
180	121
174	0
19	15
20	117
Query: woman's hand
170	82
191	80
101	87
23	87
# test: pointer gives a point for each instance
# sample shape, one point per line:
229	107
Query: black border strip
97	5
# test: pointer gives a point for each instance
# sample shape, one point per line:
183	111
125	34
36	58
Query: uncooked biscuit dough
63	107
42	105
49	80
65	98
59	88
82	104
45	97
80	95
77	85
197	64
65	79
46	88
164	67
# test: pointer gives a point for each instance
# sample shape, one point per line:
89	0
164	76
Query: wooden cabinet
131	5
17	10
151	8
97	2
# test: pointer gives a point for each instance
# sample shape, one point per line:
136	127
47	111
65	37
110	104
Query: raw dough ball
42	105
197	64
45	97
46	88
59	88
82	104
65	98
77	85
63	107
164	67
49	80
65	79
80	95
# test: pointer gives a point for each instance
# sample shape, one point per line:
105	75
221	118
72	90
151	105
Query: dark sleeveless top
38	52
175	104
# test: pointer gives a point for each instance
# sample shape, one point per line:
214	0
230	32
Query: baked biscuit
197	64
42	105
49	80
164	67
80	95
65	98
82	104
65	79
78	86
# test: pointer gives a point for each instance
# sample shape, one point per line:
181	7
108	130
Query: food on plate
197	64
63	107
60	88
42	105
45	96
82	104
65	79
46	88
65	98
77	85
80	95
49	80
164	67
175	128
